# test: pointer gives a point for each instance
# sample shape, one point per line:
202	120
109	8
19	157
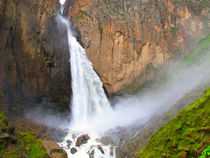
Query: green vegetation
206	152
83	12
34	147
197	56
187	135
174	30
54	12
100	28
195	5
26	145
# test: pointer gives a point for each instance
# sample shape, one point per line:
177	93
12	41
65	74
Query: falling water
88	101
88	95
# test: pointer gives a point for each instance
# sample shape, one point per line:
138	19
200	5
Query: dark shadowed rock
83	139
100	148
73	150
91	154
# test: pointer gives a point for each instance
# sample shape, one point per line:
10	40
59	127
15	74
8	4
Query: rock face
34	65
54	150
128	40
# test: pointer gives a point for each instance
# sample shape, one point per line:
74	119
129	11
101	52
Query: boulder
83	139
73	150
100	148
53	149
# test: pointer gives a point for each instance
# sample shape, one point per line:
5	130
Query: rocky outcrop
54	150
83	139
128	40
34	65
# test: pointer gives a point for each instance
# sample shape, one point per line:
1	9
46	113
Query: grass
34	147
206	152
197	56
185	135
26	145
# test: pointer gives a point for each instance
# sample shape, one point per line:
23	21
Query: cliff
34	67
128	40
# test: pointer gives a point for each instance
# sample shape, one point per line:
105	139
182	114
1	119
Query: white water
92	113
88	101
89	98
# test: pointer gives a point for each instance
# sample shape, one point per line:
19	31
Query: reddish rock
128	40
83	139
54	150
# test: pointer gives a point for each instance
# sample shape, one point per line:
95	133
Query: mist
139	108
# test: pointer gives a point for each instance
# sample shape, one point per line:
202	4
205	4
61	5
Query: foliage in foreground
187	135
26	145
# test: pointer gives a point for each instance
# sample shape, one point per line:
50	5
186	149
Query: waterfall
89	101
88	98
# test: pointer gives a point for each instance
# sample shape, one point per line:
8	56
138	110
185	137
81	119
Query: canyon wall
34	67
128	40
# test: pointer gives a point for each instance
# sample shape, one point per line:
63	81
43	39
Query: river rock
91	154
83	139
73	150
100	148
69	142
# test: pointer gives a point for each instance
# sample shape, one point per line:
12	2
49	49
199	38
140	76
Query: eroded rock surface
34	65
128	40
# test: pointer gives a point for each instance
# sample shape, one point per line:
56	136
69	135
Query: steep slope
187	135
127	40
34	65
15	144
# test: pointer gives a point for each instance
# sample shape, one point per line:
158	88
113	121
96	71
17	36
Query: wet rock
91	154
69	142
53	149
111	150
73	150
83	139
100	148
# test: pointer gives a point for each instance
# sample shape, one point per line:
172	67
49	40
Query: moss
185	135
26	145
34	147
205	153
84	13
54	13
100	28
